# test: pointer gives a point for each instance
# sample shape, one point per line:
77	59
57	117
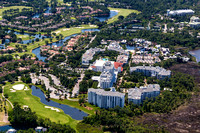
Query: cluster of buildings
146	59
72	42
111	99
158	72
89	11
181	12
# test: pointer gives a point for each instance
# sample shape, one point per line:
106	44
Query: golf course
24	97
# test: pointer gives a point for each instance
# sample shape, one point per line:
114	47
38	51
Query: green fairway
11	7
25	37
90	109
73	30
24	97
121	12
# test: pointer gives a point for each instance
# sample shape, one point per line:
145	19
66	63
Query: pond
196	54
73	112
112	14
59	43
5	128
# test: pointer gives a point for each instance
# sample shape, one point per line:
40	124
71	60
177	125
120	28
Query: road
76	87
90	41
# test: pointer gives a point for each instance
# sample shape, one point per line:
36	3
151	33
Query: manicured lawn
25	37
73	30
75	104
11	7
26	98
121	12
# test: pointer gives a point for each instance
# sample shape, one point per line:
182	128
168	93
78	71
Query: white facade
105	99
194	22
180	12
138	95
106	79
158	72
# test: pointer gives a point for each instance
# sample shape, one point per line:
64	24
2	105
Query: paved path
76	87
6	98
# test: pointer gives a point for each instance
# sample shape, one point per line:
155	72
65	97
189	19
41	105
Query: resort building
145	59
105	99
88	55
194	22
138	95
106	79
114	46
122	59
180	12
158	72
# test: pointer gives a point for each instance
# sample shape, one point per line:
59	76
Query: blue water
196	54
38	14
5	128
105	59
130	47
59	43
73	112
112	14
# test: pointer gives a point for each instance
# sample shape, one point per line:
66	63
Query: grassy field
11	7
121	12
75	104
26	98
24	37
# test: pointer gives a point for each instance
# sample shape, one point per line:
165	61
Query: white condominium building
105	99
158	72
106	79
180	12
88	55
114	46
138	95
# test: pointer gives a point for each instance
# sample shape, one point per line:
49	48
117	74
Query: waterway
196	54
5	128
73	112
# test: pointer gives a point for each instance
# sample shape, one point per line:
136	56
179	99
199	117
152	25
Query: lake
196	54
73	112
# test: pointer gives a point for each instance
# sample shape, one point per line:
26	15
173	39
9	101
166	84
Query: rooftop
106	93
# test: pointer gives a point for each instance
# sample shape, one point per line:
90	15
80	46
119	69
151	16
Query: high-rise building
105	99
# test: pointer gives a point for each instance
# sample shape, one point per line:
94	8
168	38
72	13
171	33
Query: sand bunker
52	108
65	29
57	32
18	87
26	88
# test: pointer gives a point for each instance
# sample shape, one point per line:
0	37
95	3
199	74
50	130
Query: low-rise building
88	55
194	22
105	99
180	12
114	46
158	72
122	59
138	95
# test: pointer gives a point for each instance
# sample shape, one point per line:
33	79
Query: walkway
76	87
6	98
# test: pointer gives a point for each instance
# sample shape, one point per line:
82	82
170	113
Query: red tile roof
117	65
